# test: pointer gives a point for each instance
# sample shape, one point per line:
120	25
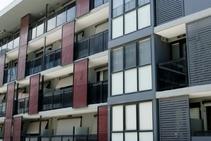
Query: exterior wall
174	120
25	21
80	84
34	94
198	44
167	10
196	5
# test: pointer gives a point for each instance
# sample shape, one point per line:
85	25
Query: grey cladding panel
168	10
199	51
174	119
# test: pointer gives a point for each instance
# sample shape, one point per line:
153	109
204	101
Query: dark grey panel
174	119
192	6
168	10
201	138
199	51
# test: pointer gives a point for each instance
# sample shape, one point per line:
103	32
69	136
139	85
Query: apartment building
105	70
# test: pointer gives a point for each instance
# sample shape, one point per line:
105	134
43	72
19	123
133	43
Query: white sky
4	3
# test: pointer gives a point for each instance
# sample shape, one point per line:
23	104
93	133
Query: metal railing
61	138
41	63
92	45
22	105
10	45
59	18
172	74
96	3
55	99
98	92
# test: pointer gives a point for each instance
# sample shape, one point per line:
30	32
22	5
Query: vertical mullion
124	121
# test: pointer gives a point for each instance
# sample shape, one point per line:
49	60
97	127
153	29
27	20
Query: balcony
92	45
98	92
61	138
9	45
21	105
59	18
96	3
172	74
56	99
42	63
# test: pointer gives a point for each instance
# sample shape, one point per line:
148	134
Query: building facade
105	70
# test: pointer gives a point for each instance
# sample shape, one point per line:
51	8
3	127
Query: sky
4	3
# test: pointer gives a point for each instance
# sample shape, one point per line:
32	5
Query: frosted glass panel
130	22
117	137
117	118
145	78
145	116
117	27
144	17
131	137
117	83
130	117
131	80
146	136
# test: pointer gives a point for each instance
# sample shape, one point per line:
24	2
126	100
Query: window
117	27
135	15
146	136
145	78
34	32
117	118
117	7
130	22
117	83
61	18
126	119
16	42
131	136
117	59
131	80
117	137
144	52
130	55
130	4
131	64
145	116
142	2
130	117
71	14
144	17
40	29
51	23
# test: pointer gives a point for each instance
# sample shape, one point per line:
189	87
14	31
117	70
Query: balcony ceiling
10	16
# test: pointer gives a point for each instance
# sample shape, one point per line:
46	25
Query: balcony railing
61	138
96	3
47	61
10	45
54	21
2	109
98	92
55	99
172	74
22	105
94	44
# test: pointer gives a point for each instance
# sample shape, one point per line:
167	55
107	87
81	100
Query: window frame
137	131
136	9
137	67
